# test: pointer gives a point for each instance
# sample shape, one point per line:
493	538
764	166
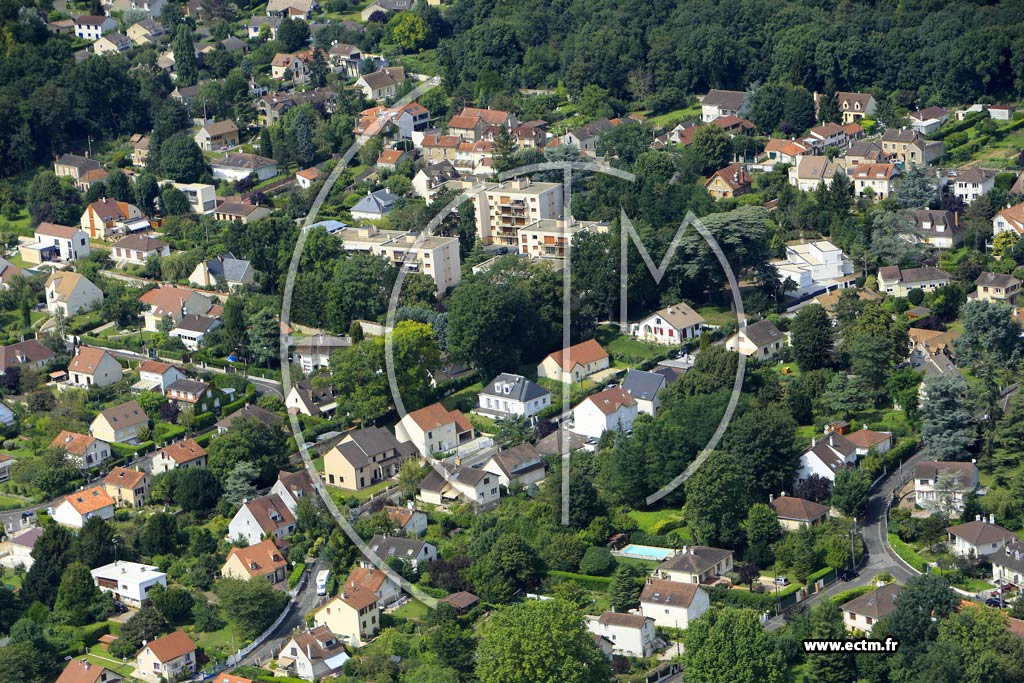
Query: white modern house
129	582
815	266
509	395
434	429
644	387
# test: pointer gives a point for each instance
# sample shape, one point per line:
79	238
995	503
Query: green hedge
907	554
229	408
131	343
127	450
968	121
846	596
820	574
594	583
204	421
296	576
204	439
91	633
165	432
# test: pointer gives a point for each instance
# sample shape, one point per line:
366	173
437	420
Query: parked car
120	607
849	575
781	581
995	602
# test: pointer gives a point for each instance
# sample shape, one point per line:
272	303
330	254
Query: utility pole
853	554
90	146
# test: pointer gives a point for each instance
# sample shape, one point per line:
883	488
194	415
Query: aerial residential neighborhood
412	341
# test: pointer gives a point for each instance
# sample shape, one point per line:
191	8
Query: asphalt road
880	557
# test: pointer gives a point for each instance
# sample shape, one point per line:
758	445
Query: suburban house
631	635
827	134
644	386
855	106
695	564
997	287
291	66
239	165
311	655
17	548
796	513
87	451
862	613
874	180
146	32
472	122
389	159
166	658
898	282
839	448
808	173
429	180
345	59
216	136
155	375
137	249
510	395
79	506
365	457
262	517
91	27
863	151
375	205
732	181
252	412
459	485
353	615
909	147
757	340
309	400
192	330
381	85
1008	566
377	582
815	266
585	137
672	325
82	170
129	582
29	353
970	183
781	151
176	302
71	293
261	560
113	43
306	177
224	271
203	397
182	454
575	363
939	229
105	217
60	243
611	409
462	601
8	271
292	9
84	671
6	464
243	212
719	103
293	487
438	148
408	550
93	366
407	520
941	486
127	487
978	538
140	146
1010	218
927	121
515	467
673	604
435	429
315	352
122	423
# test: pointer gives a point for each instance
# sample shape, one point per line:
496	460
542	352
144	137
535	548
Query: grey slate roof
996	280
196	323
228	267
189	386
643	385
366	443
518	460
393	546
514	387
696	559
379	202
763	332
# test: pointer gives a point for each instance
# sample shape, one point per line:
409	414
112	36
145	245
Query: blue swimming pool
646	552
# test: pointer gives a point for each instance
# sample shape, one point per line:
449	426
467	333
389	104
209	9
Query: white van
322	578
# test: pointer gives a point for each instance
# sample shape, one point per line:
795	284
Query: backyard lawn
691	112
463	399
625	350
648	520
97	655
413	609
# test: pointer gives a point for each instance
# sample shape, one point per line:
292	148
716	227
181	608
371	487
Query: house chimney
991	519
86	664
771	497
783	494
977	518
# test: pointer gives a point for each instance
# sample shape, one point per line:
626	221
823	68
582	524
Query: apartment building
437	257
503	210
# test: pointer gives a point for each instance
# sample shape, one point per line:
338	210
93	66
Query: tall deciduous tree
79	601
717	500
181	159
850	491
811	338
730	646
540	641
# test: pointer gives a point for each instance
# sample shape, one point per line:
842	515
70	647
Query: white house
374	205
79	506
815	266
460	485
383	84
862	613
671	325
86	451
192	330
757	340
520	465
836	450
407	519
353	615
377	582
631	635
611	409
408	550
315	352
644	388
1008	566
155	375
719	103
510	395
62	243
874	180
942	485
137	249
311	655
223	271
971	183
696	564
434	429
169	657
92	27
899	281
292	487
260	518
92	366
239	165
17	549
673	604
978	538
71	293
129	582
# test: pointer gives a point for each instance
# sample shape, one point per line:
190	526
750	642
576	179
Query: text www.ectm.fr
856	645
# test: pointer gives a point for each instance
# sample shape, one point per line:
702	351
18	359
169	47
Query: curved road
880	557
